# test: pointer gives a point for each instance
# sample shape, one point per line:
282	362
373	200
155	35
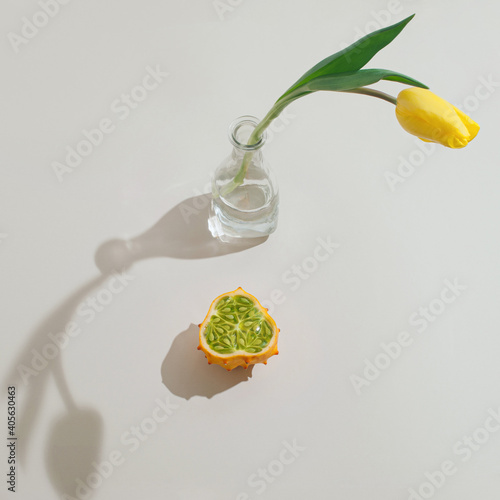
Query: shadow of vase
186	373
182	233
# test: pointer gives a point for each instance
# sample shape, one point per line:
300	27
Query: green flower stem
373	93
275	111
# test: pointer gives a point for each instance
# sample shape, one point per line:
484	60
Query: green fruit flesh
237	325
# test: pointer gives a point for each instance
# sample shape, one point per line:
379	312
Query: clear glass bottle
249	209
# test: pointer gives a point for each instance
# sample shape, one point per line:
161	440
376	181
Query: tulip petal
471	125
429	117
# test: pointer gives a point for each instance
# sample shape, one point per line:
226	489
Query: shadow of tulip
186	373
31	369
74	442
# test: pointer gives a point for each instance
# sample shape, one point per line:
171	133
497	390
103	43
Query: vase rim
235	127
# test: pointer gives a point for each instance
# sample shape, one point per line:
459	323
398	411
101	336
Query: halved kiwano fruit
238	331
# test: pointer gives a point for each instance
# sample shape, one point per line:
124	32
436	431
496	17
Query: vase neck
239	134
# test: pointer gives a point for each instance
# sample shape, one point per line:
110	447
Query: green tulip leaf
348	81
351	58
356	79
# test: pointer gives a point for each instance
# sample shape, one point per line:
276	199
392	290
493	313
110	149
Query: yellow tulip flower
424	114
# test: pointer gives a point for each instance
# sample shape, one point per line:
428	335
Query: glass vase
244	190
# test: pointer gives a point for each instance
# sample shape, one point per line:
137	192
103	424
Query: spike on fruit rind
238	331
